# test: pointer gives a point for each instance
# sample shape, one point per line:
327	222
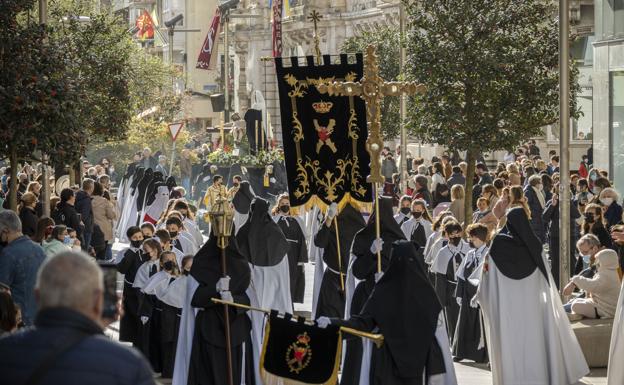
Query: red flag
277	28
207	59
145	24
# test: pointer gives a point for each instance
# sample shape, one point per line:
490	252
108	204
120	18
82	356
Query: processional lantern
221	221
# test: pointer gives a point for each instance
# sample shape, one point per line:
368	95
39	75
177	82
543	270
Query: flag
145	26
324	137
297	353
159	40
207	59
277	27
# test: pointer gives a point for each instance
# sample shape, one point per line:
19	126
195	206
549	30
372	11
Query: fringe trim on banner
315	201
272	379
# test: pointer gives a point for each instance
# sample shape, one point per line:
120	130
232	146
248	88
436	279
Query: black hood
138	175
516	250
243	197
207	269
260	239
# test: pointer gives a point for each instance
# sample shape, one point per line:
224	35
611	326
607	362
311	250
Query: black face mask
589	217
454	241
405	210
284	209
173	234
235	184
168	266
185	272
416	214
136	244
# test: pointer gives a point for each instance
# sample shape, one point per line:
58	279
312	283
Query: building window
617	128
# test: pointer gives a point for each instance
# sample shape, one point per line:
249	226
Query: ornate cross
372	89
315	17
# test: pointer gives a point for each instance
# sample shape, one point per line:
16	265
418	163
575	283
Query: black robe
130	321
149	332
208	362
364	269
297	255
142	188
331	300
253	119
169	327
445	286
410	351
468	331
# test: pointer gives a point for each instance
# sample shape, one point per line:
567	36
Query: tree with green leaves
491	72
388	41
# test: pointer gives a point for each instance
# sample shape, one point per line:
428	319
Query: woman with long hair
27	214
594	223
44	229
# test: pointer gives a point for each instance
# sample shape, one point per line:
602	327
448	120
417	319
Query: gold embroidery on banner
329	181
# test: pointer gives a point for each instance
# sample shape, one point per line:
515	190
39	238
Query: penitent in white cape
530	340
615	373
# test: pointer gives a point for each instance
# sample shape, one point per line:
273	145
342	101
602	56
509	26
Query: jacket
458	178
500	208
67	215
84	207
54	246
19	263
613	214
604	287
186	167
103	215
95	360
551	219
29	221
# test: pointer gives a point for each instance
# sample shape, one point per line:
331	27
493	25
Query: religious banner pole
372	89
315	17
221	220
342	287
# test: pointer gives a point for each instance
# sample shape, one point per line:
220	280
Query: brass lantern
221	221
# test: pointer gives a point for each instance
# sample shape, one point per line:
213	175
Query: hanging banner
207	59
324	137
277	28
145	26
297	353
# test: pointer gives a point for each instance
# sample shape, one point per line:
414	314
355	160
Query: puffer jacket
604	287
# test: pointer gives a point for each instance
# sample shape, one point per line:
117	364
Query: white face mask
606	201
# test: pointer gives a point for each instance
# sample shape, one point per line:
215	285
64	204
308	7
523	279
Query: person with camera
67	344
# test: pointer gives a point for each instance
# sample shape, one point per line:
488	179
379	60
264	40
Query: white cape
269	289
615	370
530	340
185	335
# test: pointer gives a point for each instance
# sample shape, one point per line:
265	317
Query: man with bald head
67	345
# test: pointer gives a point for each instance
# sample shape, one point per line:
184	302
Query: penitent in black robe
468	333
331	300
297	255
208	362
129	262
404	308
364	268
149	332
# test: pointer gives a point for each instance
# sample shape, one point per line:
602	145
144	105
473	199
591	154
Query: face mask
586	259
168	265
405	210
186	272
67	240
454	241
136	244
284	208
593	177
173	234
606	201
589	217
416	214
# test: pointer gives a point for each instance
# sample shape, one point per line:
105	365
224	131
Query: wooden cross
372	89
315	17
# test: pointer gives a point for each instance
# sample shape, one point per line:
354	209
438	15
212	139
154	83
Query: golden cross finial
315	17
372	89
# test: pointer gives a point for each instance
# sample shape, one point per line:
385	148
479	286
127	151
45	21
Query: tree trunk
14	181
470	173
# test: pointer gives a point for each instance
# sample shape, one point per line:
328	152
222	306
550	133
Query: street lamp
564	142
170	24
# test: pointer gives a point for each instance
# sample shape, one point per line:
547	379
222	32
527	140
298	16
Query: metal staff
342	287
377	225
378	339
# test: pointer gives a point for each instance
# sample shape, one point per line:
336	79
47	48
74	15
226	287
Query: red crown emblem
322	107
303	338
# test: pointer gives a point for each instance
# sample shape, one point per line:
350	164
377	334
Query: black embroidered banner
298	353
324	136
